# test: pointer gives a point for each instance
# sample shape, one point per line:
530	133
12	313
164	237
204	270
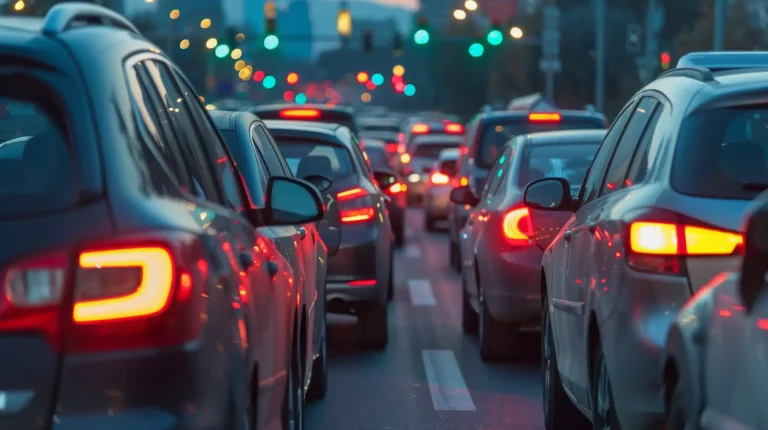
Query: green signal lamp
476	50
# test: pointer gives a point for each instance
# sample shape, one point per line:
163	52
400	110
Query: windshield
495	134
307	158
36	168
381	127
431	150
722	153
569	161
377	155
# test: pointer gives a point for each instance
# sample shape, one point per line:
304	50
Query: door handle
246	260
592	227
567	235
272	269
302	232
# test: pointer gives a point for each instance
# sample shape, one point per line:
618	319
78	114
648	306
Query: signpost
550	48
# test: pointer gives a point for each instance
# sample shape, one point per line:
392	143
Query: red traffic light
665	57
362	77
370	86
292	78
400	87
289	96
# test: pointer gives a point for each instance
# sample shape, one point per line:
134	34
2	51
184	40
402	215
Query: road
431	375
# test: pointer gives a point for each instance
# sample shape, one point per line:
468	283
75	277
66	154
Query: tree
741	32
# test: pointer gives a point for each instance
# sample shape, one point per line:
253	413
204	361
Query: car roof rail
694	72
64	16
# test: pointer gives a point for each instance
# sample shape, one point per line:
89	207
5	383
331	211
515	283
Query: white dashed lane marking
421	292
446	383
412	251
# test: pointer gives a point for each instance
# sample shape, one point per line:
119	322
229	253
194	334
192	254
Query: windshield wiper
754	186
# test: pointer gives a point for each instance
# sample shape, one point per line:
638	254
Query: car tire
429	222
453	252
374	333
391	283
603	406
677	416
293	404
559	411
318	386
468	315
497	339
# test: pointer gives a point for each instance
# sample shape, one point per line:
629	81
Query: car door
567	315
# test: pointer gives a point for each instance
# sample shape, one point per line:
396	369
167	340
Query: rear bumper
511	282
183	387
437	202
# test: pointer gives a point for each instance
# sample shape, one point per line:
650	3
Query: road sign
634	41
549	65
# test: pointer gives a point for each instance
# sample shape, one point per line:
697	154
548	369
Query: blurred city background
455	56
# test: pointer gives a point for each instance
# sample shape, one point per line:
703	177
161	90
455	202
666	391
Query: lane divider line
413	251
446	384
421	292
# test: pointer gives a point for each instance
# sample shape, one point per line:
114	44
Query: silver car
657	218
419	158
438	188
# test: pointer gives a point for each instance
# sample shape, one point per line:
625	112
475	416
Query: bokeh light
289	96
222	51
362	77
292	78
377	78
459	14
236	53
211	43
398	70
239	65
271	42
205	23
365	97
175	14
516	32
470	5
184	44
269	82
409	90
370	86
300	99
258	76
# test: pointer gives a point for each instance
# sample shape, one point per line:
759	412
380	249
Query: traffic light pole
600	55
719	30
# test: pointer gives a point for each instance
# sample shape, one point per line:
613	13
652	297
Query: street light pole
719	30
600	55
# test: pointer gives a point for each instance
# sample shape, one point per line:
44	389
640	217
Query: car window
309	157
431	150
641	161
37	173
628	143
377	156
723	153
570	161
449	167
594	179
271	155
494	178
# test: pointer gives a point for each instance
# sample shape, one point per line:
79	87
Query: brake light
351	194
438	178
351	216
397	188
401	141
299	113
657	246
420	129
463	150
544	117
405	158
454	128
391	147
517	227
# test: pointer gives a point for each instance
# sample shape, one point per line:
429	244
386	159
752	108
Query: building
295	24
254	16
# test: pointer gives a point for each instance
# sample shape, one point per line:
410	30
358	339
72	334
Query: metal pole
549	88
600	54
651	45
719	30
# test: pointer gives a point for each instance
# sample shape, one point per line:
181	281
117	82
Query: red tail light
657	246
391	147
352	216
351	194
438	178
299	113
420	129
544	117
454	128
401	141
517	227
397	188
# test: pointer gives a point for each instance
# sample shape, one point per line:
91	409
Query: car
386	129
258	159
417	162
713	363
360	275
437	189
308	112
132	259
412	130
658	216
503	240
393	185
485	136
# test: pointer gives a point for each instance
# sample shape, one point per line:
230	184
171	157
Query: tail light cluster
362	213
517	227
107	298
438	178
391	147
396	189
460	182
660	246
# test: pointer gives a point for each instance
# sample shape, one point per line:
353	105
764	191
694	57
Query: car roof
437	138
565	136
22	23
449	154
566	114
321	107
227	120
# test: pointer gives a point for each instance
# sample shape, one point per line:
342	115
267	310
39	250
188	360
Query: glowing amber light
206	23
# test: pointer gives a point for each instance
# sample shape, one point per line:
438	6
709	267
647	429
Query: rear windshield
431	150
306	158
381	127
377	156
495	134
569	161
449	167
325	116
723	153
36	169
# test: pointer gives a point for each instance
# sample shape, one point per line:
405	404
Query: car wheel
497	339
391	284
677	417
293	405
318	386
400	237
601	395
453	252
559	412
468	314
373	327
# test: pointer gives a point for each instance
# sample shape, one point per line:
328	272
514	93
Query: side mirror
755	264
385	179
464	196
549	194
320	182
292	201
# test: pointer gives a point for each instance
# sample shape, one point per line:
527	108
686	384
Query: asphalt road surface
430	376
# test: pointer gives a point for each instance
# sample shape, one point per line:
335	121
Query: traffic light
665	58
367	41
476	50
495	36
397	44
421	36
271	41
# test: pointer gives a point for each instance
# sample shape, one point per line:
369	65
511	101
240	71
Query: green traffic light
421	37
476	50
495	37
222	51
300	99
409	90
269	82
271	42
